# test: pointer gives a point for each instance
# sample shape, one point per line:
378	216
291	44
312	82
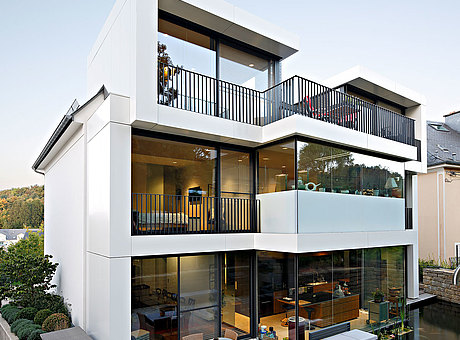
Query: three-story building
196	192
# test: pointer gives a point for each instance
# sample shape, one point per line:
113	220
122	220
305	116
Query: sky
44	45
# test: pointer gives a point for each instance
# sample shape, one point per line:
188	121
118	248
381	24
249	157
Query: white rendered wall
109	297
123	57
109	221
64	225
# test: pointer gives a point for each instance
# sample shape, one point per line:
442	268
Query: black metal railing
418	144
409	224
156	214
188	90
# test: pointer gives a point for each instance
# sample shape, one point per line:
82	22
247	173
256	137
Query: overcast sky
44	45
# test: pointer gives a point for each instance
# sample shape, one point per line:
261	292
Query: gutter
62	127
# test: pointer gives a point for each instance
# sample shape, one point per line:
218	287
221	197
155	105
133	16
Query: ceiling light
285	148
174	162
265	158
283	166
251	65
240	160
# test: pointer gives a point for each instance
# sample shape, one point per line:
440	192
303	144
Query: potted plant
378	296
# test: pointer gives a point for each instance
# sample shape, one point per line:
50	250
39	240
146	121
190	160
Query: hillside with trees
21	207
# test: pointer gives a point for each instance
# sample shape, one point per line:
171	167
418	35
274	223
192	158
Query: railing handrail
165	214
286	81
237	102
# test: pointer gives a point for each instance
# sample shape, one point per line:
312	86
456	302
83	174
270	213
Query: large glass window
277	295
277	167
180	46
236	290
339	286
328	169
241	68
235	174
333	287
199	297
173	184
154	298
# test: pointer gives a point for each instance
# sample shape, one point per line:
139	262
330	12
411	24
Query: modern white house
197	192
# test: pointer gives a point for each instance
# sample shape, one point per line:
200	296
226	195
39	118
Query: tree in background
25	272
22	207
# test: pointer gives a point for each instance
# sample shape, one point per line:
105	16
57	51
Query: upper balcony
199	93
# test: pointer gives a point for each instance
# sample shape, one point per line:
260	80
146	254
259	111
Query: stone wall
439	282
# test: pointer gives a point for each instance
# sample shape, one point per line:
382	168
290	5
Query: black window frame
218	38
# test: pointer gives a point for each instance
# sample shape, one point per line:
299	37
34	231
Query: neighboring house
11	236
213	196
439	191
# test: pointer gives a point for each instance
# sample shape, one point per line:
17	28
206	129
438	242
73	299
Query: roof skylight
438	126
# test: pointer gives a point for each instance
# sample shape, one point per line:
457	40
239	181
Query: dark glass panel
277	167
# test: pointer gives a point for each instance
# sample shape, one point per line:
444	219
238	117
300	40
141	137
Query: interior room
333	287
176	186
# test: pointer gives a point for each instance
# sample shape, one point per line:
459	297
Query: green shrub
6	307
26	330
27	313
18	324
53	302
11	315
56	322
41	316
35	335
8	311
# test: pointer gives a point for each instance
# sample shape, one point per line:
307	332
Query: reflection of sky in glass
243	75
192	57
370	161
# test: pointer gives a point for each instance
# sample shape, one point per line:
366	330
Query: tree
26	273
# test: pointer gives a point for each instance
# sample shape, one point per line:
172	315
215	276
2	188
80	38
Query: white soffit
378	85
224	18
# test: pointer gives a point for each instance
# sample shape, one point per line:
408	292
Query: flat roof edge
360	72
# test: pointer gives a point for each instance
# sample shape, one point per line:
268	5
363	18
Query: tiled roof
443	147
12	234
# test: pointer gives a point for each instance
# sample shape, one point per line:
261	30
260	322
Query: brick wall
439	282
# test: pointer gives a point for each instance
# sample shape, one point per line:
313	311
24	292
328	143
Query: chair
145	325
309	312
196	336
230	334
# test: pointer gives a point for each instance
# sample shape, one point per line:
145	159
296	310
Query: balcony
188	90
155	214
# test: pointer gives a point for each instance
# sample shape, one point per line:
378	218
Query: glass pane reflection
328	169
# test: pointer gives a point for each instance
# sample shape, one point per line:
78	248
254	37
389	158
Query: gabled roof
65	122
12	234
443	146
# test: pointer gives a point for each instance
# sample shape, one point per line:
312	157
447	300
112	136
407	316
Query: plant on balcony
378	296
166	72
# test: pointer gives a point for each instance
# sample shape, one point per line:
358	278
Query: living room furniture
327	312
378	311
